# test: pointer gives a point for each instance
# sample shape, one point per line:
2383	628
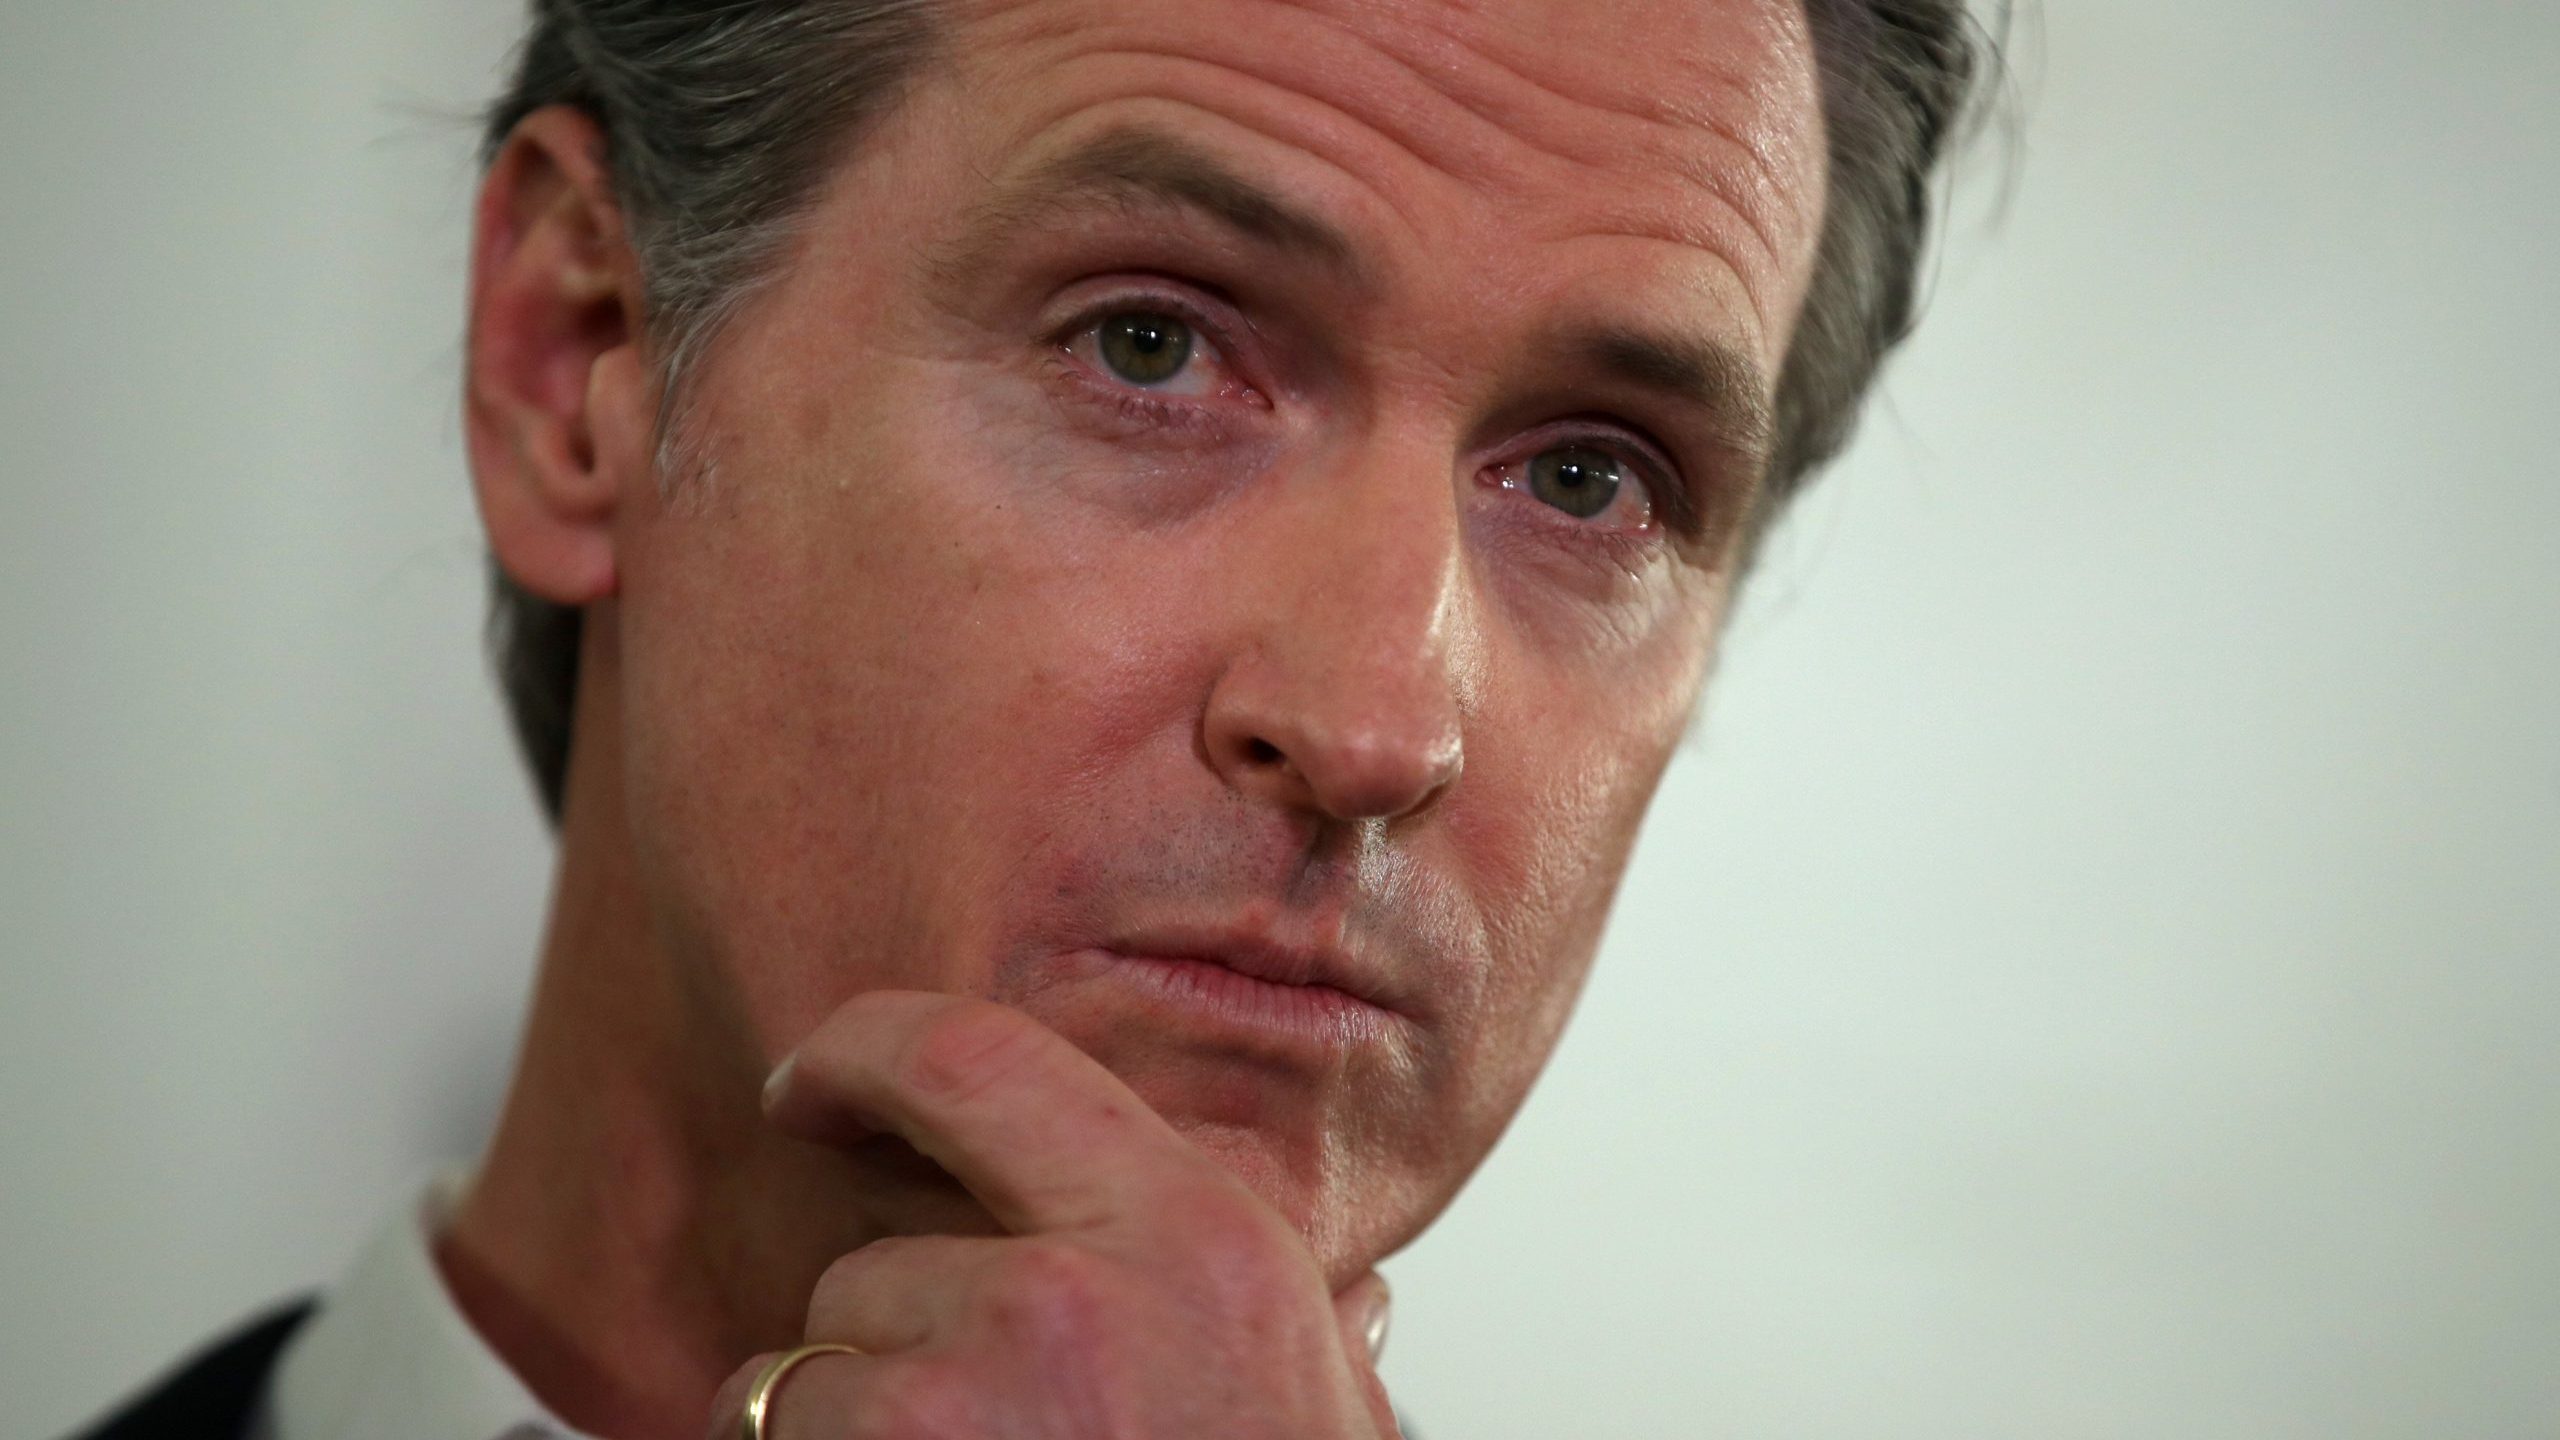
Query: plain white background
2096	974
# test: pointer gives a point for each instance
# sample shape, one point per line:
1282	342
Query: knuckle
1051	1296
1054	1270
844	1274
854	1268
917	1401
841	1285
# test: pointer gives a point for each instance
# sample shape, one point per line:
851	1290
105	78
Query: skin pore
1206	468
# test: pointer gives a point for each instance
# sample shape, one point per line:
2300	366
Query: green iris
1575	479
1145	349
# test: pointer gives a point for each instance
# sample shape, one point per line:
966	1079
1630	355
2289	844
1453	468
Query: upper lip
1263	955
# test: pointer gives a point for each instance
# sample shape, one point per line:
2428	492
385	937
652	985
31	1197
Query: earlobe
557	404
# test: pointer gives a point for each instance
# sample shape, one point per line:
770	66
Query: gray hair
721	117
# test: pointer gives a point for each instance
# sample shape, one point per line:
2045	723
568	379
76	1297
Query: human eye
1151	350
1590	481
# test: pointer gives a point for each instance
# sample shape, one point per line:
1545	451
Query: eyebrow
1686	369
1144	167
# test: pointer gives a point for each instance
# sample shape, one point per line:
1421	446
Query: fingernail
779	1080
1376	1328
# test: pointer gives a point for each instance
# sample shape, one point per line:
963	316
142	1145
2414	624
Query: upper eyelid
1607	428
1651	456
1163	297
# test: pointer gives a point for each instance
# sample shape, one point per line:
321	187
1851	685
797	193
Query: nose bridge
1347	695
1377	567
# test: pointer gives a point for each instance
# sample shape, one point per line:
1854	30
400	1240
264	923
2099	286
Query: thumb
1361	1310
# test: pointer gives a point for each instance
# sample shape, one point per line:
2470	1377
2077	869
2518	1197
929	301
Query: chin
1264	1126
1352	1208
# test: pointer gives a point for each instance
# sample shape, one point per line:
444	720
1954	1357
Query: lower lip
1317	1015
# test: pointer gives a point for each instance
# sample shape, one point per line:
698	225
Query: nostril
1261	751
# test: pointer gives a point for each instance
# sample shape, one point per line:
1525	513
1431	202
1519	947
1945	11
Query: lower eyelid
1131	406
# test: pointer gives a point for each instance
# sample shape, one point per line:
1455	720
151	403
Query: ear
558	403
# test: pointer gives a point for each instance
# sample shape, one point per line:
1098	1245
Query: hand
1141	1291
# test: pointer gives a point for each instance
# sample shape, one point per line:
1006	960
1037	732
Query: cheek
1562	855
1563	787
1541	841
865	684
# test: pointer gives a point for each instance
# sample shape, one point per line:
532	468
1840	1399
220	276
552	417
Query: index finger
1043	1135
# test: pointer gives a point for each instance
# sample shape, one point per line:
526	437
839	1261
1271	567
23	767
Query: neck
635	1232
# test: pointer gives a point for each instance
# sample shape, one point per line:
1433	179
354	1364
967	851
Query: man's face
1235	480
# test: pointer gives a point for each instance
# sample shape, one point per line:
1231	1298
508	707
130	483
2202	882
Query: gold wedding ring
760	1394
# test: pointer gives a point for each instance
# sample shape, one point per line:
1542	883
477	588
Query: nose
1346	689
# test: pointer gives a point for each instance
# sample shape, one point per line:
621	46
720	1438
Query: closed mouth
1307	1010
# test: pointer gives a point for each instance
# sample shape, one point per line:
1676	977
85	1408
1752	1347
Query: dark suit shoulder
212	1394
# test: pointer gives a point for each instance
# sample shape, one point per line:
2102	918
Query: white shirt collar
389	1356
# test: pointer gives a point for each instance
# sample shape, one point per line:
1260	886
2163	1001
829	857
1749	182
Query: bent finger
1039	1131
901	1292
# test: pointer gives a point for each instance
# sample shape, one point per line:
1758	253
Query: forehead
1520	142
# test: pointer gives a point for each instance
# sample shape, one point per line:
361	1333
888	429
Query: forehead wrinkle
1612	216
1755	192
1334	69
1696	246
1442	75
1662	113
